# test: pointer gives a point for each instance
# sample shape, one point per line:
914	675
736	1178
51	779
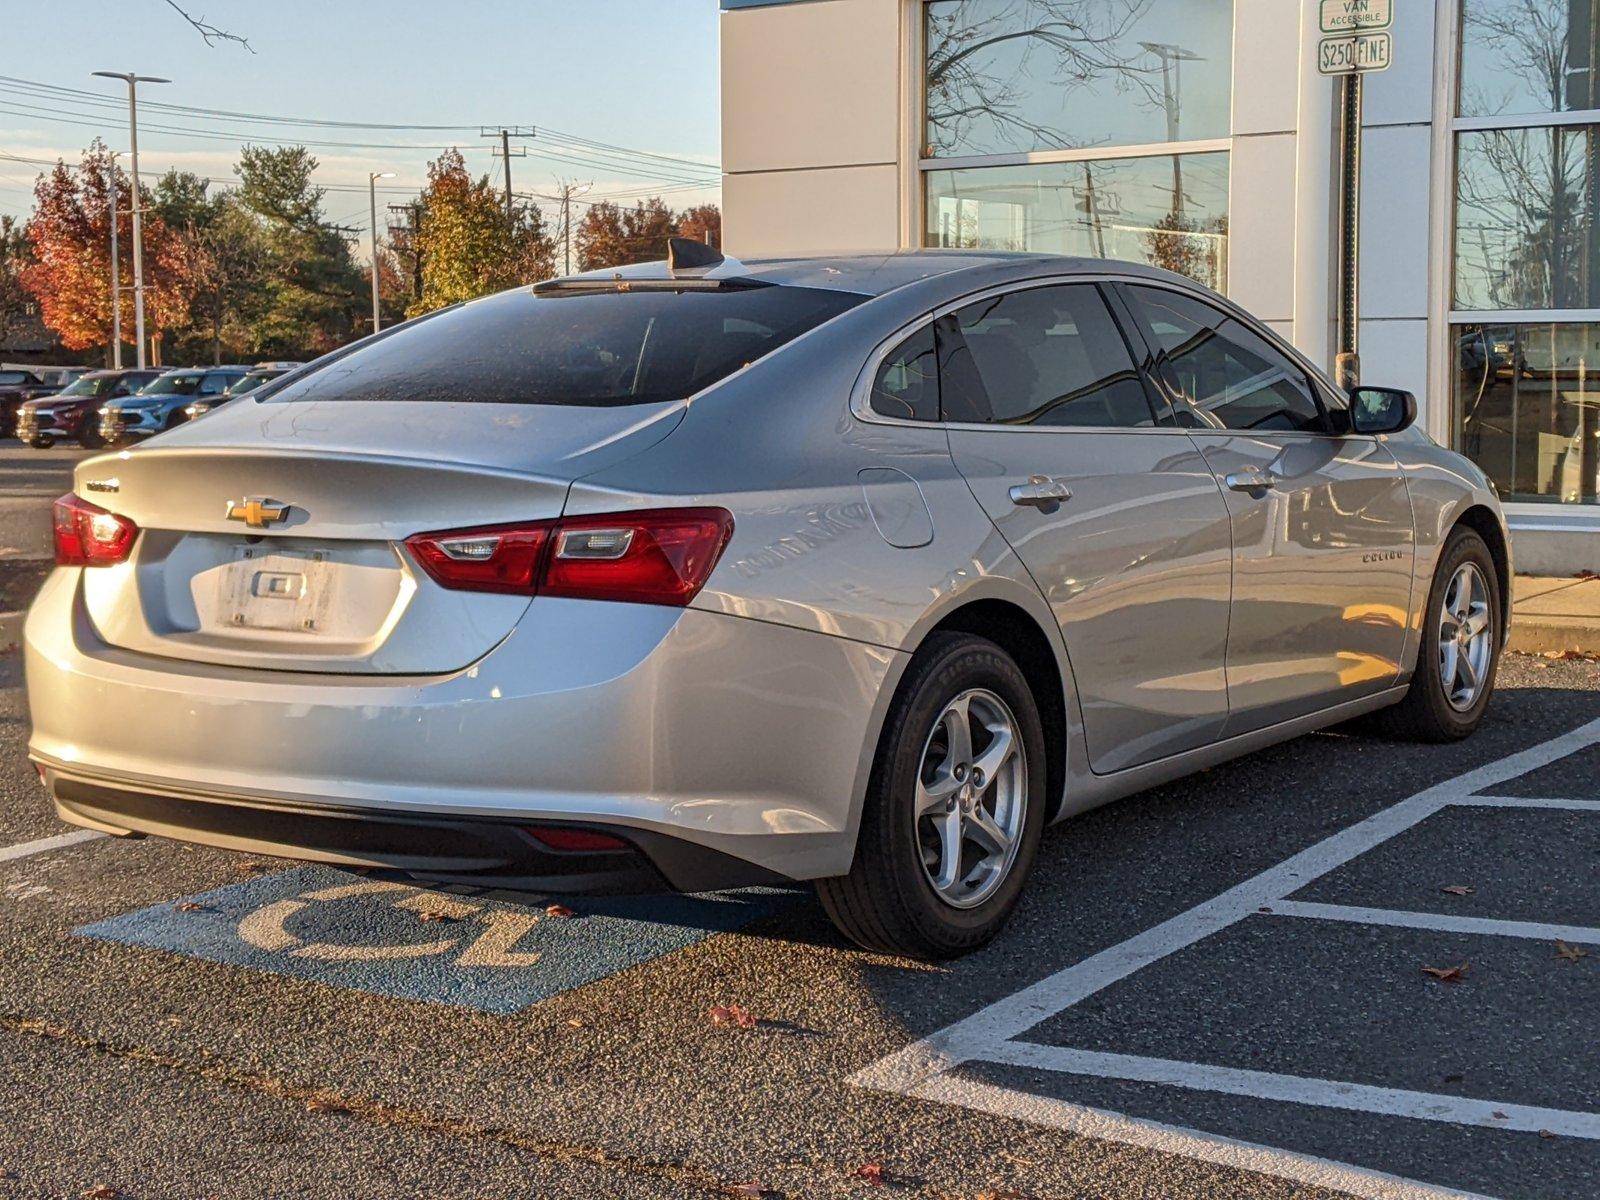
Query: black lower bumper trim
480	851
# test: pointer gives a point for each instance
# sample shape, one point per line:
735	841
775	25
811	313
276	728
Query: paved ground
1215	989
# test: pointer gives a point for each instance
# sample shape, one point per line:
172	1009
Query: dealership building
1200	136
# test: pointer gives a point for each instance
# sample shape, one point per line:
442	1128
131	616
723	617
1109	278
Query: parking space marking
60	840
928	1068
1296	1089
1528	802
1439	922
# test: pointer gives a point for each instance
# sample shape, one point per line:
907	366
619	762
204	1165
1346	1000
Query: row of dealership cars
103	408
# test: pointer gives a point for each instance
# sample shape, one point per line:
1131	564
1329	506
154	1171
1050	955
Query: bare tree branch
210	32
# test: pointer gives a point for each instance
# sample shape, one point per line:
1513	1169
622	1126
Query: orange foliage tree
70	272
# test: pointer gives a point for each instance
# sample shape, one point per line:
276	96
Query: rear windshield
587	348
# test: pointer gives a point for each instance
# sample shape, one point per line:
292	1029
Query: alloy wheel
1466	637
971	798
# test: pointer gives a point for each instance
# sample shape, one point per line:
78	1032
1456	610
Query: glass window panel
1525	218
1010	75
1046	356
907	386
1528	56
1169	211
1225	370
1529	405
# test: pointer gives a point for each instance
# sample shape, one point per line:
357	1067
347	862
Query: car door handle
1253	479
1040	492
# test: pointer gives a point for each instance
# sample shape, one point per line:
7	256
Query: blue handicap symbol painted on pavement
397	939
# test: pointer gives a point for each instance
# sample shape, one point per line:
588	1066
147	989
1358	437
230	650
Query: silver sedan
704	573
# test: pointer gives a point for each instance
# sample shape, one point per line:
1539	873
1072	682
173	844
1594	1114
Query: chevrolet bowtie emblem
257	511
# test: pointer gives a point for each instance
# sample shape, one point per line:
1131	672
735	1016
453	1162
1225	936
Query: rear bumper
476	851
739	737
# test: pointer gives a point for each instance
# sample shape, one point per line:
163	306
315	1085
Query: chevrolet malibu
700	574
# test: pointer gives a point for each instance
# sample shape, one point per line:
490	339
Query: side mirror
1381	410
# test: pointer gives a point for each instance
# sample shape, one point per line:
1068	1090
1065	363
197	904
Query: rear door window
586	348
1044	356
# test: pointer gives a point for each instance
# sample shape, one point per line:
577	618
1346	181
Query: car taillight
661	556
89	536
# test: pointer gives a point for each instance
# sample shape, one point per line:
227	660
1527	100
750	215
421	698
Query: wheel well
1486	525
1019	635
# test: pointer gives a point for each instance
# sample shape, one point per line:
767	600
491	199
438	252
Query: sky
640	75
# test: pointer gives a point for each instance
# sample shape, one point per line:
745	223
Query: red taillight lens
497	558
661	556
647	558
89	536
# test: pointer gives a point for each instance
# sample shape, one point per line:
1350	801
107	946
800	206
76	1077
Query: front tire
954	810
1460	652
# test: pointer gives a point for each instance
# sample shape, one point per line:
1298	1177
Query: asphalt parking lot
1220	988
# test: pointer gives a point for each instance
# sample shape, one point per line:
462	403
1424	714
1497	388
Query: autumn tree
702	223
225	260
466	244
13	258
600	238
69	240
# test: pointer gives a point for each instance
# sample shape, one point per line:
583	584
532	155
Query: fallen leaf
191	906
326	1104
574	1023
873	1173
1449	974
1546	1134
1457	889
1499	1116
1570	953
559	910
102	1191
732	1014
747	1189
433	914
247	866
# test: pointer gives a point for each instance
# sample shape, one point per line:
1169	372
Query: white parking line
1528	802
1443	922
28	849
924	1069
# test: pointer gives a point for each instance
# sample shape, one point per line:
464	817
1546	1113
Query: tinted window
214	385
91	385
1229	374
584	348
1044	356
907	385
8	377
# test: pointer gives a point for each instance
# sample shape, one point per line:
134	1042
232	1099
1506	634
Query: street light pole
116	276
133	81
372	195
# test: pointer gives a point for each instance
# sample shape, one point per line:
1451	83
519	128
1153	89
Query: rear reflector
89	536
659	556
558	838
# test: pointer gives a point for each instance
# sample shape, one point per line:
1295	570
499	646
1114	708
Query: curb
1551	635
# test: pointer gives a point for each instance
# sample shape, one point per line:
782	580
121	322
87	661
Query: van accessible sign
1361	40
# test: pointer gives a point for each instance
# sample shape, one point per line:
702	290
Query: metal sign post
1357	43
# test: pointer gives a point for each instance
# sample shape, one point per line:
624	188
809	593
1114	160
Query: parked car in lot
60	377
858	570
160	404
17	386
75	412
259	374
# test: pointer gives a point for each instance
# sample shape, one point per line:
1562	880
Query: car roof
876	274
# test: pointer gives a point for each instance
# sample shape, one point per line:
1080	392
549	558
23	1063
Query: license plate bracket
285	590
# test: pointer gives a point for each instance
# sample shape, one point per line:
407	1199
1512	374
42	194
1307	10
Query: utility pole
1172	60
564	197
116	275
372	196
505	152
412	228
133	81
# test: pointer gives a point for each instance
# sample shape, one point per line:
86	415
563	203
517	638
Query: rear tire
906	894
1437	709
42	443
